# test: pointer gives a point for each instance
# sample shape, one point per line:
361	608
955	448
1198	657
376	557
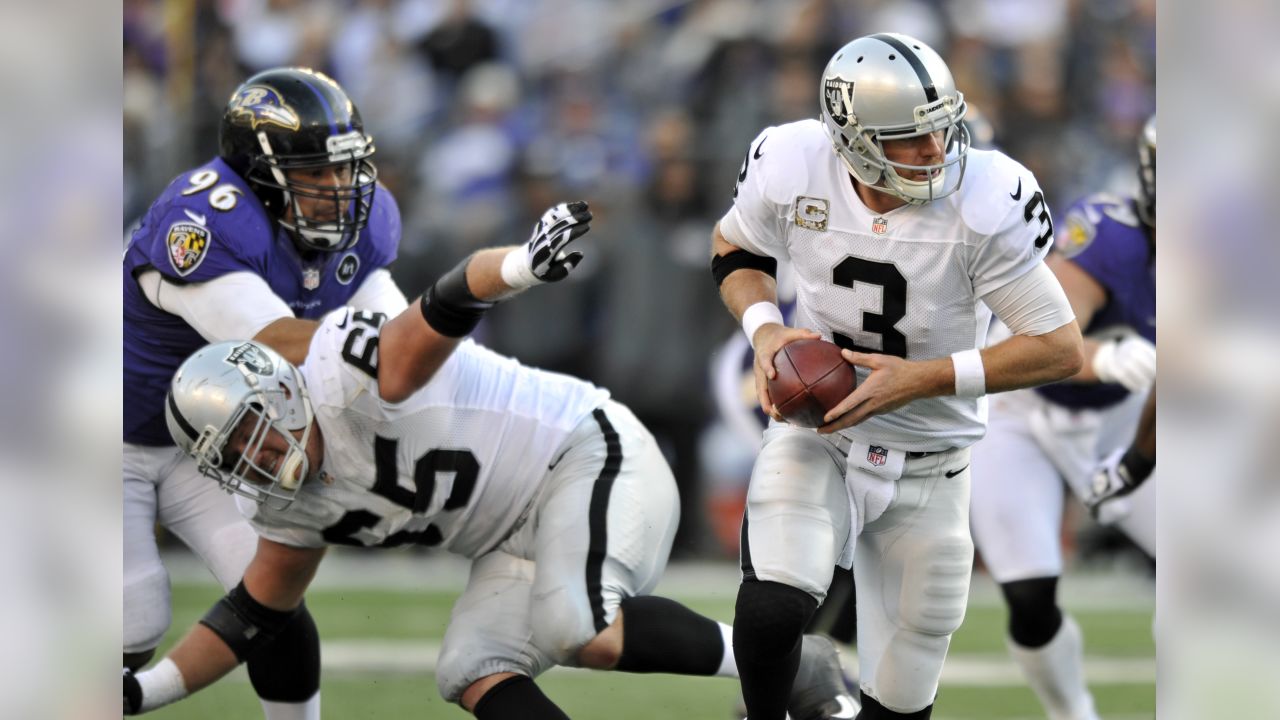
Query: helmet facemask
861	147
274	487
1147	173
342	210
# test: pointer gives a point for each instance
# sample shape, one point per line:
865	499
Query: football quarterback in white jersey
401	432
901	236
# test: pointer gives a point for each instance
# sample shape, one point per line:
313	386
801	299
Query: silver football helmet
1147	173
890	86
228	383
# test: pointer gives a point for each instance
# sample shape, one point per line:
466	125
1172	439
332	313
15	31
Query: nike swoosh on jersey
1017	194
200	219
953	473
847	708
756	154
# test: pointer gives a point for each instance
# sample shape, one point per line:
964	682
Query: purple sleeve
1101	236
190	242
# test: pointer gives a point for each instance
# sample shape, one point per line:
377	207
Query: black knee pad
287	669
1034	615
873	710
769	619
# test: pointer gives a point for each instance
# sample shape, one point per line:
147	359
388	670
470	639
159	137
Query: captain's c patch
188	243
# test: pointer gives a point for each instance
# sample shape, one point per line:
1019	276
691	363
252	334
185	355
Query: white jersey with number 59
454	466
907	282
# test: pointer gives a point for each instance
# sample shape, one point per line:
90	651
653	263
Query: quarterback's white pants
1031	447
161	485
600	530
816	501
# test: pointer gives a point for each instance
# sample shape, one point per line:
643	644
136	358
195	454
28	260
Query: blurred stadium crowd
486	111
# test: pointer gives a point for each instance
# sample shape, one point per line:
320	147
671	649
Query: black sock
517	697
873	710
287	669
769	620
661	635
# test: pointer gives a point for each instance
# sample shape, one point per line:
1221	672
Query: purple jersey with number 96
1102	235
206	224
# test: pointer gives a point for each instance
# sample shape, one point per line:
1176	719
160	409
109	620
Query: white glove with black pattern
1110	482
544	259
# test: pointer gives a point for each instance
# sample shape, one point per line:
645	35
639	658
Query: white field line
374	657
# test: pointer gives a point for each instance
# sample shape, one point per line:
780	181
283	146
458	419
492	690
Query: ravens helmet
284	122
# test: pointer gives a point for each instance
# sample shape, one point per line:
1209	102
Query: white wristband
761	313
161	685
516	271
971	376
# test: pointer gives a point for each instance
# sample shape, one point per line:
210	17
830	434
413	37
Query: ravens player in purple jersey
287	223
1077	431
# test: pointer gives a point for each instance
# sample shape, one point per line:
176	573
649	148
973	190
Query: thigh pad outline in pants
797	517
912	569
599	541
489	630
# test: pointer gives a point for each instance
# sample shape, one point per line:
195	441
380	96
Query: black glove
132	694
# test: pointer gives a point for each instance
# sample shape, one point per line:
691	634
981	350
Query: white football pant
818	500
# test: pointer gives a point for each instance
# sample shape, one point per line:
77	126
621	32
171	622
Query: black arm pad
243	623
449	307
723	265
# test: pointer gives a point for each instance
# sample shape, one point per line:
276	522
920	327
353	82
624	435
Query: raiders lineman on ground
400	433
900	236
286	224
1105	260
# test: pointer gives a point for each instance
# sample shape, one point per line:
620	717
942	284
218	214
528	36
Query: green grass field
379	646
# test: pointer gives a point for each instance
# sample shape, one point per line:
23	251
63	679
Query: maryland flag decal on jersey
188	243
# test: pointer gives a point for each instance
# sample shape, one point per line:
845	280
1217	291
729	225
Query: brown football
812	378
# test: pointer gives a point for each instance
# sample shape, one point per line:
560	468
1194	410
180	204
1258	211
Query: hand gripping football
811	379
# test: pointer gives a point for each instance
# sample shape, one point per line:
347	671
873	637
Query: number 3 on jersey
893	305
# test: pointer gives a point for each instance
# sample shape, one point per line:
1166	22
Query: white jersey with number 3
454	466
907	282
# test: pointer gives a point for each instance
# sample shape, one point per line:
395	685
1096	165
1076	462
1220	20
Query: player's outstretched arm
750	292
1129	360
414	344
245	618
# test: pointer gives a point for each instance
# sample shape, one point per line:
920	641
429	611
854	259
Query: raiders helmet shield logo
348	267
251	358
837	94
188	243
262	105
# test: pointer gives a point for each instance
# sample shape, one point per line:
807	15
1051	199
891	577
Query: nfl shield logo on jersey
311	278
879	226
877	455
